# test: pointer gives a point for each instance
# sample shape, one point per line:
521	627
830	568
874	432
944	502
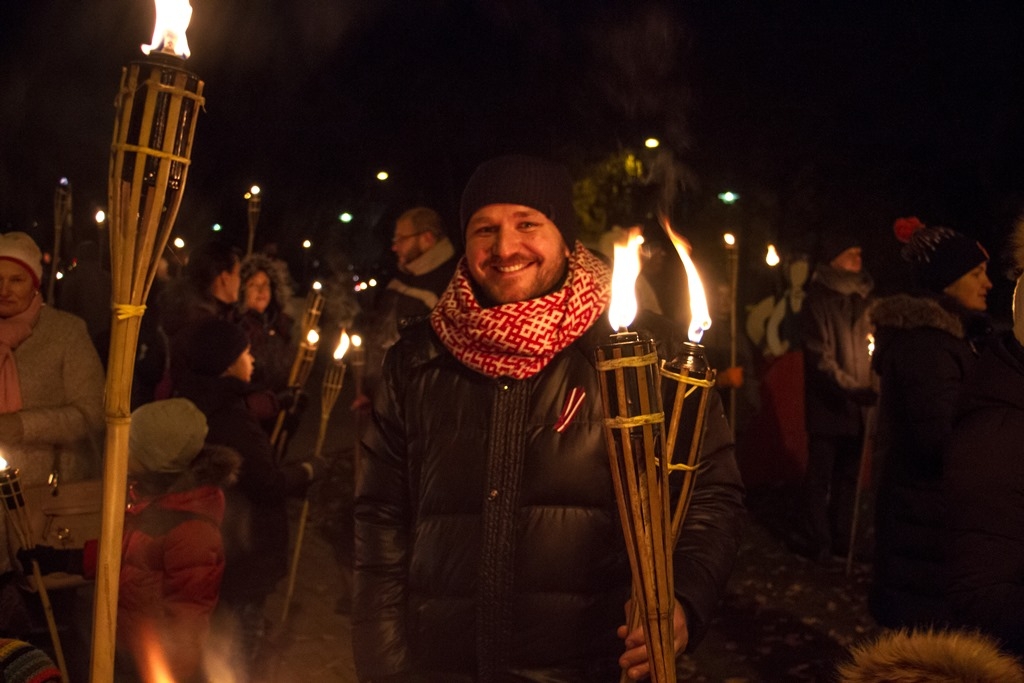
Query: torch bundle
641	450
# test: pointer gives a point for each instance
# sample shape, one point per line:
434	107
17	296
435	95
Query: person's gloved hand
293	399
11	429
51	559
865	396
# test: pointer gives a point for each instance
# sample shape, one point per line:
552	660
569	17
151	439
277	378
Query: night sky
817	116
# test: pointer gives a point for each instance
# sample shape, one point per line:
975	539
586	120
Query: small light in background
382	175
217	227
317	286
729	239
345	217
772	257
101	216
651	143
179	243
728	197
306	244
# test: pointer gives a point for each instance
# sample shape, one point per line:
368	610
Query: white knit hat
22	249
166	436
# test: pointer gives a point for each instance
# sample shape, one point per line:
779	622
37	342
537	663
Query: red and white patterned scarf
519	339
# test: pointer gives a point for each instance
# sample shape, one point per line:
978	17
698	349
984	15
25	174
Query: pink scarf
519	339
13	331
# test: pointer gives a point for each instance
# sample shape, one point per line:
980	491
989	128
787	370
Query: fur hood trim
905	312
280	283
214	466
930	657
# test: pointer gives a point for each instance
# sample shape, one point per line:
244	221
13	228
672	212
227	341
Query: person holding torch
488	544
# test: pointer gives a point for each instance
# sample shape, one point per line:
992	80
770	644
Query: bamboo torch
333	379
692	378
17	512
61	218
156	111
253	211
634	437
301	367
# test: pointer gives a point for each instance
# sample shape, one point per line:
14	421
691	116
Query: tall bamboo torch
732	251
691	378
156	111
333	379
61	219
634	437
359	372
18	518
253	205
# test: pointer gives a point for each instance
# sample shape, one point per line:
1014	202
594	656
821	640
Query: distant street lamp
728	197
179	243
345	217
253	197
652	143
382	175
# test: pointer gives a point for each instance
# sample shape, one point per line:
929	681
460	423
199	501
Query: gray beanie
520	179
166	436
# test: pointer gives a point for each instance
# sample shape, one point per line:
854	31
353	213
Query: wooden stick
333	379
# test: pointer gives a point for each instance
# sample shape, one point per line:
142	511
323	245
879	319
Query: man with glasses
426	261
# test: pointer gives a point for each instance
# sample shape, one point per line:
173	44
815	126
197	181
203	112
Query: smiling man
488	544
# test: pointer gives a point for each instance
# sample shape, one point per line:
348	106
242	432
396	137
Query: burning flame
312	337
700	316
157	669
627	268
343	342
172	17
772	256
3	463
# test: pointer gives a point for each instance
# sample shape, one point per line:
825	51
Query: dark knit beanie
940	256
213	345
834	242
520	179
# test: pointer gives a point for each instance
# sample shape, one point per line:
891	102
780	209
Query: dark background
820	115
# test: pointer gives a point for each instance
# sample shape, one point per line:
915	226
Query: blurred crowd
890	423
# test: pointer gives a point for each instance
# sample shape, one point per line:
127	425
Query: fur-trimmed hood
930	657
280	282
905	312
214	466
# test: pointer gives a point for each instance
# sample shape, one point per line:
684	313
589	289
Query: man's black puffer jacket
488	545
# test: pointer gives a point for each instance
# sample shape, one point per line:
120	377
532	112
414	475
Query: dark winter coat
172	560
270	342
985	484
488	545
835	327
922	356
256	520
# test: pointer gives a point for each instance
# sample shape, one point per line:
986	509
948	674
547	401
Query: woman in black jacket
926	346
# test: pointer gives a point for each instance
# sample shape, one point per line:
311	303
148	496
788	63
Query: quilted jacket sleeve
382	515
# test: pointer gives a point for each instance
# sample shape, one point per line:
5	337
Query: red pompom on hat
906	227
939	255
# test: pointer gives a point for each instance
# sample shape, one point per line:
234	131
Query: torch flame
700	316
343	342
172	17
3	463
312	337
624	274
